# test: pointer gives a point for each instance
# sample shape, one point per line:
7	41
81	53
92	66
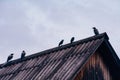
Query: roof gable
60	63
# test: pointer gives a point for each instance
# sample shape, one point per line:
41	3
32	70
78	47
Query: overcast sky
37	25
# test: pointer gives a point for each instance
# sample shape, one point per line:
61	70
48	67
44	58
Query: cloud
36	25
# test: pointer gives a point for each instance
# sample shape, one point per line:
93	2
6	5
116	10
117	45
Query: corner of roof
102	35
106	36
111	49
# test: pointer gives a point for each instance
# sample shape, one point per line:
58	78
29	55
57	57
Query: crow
23	54
72	39
61	42
96	32
10	57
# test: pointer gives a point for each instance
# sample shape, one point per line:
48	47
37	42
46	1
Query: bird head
94	28
12	54
73	37
23	51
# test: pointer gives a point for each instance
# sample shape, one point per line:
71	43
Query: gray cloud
35	25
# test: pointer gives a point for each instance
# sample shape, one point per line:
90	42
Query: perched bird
96	32
23	54
9	57
72	39
61	42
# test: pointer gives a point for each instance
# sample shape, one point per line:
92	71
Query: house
92	58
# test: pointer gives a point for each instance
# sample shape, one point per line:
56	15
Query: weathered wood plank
94	69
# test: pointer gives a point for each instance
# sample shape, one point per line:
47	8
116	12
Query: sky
38	25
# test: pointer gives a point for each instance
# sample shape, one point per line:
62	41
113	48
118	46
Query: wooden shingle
60	63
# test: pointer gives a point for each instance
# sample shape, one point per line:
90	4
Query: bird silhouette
10	57
96	32
61	42
23	54
72	39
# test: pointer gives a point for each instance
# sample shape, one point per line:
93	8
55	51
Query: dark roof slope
60	63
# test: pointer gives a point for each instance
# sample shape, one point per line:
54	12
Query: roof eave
103	35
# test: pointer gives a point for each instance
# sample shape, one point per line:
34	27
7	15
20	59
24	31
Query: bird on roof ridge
72	39
96	32
10	57
23	54
61	42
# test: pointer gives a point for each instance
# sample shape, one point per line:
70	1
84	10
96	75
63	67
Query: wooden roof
60	63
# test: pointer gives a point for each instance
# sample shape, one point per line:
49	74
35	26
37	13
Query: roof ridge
57	48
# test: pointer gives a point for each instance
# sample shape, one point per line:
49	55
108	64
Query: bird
96	32
61	42
72	39
23	54
10	57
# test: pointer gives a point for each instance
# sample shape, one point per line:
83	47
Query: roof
60	63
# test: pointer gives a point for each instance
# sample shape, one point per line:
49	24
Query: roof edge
114	54
102	35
